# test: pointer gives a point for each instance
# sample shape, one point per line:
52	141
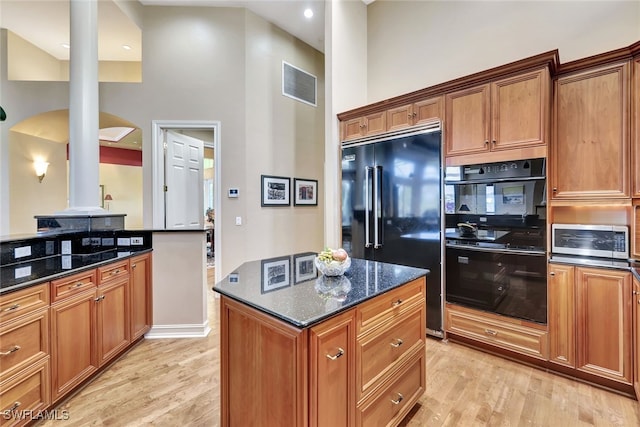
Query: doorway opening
209	133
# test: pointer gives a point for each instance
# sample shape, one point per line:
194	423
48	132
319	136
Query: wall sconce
41	168
107	199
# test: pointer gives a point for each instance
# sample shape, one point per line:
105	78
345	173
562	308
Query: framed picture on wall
276	273
304	267
275	190
306	192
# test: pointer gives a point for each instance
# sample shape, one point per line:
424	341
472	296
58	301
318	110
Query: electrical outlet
22	251
124	241
238	220
136	241
65	247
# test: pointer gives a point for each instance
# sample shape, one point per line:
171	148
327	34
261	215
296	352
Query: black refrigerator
392	204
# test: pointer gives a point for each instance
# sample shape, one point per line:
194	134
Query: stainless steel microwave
604	241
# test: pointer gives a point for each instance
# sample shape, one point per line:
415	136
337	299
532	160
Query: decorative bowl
333	268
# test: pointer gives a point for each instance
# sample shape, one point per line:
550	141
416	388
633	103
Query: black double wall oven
495	251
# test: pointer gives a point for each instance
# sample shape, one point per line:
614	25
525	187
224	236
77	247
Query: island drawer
492	330
390	305
23	341
23	301
378	352
113	271
24	394
73	285
391	405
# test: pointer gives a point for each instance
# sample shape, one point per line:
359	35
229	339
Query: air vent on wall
298	84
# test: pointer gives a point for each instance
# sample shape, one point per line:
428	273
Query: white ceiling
45	23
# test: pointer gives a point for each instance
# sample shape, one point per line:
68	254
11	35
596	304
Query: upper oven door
607	241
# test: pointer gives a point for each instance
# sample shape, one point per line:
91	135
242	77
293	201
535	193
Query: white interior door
183	182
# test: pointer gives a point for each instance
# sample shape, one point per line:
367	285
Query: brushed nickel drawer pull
114	272
338	354
396	302
77	285
491	332
100	298
133	266
398	342
14	406
398	400
8	352
13	307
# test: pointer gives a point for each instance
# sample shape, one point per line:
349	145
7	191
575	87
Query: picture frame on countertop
304	267
275	273
275	190
305	192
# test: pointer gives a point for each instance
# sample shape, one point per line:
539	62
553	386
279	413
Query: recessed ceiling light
126	47
65	45
308	13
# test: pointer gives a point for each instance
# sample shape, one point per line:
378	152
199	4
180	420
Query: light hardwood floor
175	382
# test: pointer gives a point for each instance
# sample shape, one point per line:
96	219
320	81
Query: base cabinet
590	320
362	367
73	347
636	336
140	295
510	334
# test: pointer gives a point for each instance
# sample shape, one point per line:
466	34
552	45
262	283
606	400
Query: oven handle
498	251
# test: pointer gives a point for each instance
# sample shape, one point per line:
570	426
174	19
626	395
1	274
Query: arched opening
45	137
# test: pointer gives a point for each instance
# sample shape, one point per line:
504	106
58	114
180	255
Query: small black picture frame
275	190
304	267
305	191
275	273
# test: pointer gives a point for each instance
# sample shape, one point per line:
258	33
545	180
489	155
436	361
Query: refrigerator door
407	191
357	201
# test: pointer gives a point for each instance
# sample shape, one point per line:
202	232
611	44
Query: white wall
346	87
417	44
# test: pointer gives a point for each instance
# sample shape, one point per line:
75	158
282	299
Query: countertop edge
311	323
70	272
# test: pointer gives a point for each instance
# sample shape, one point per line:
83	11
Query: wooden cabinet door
400	117
468	120
112	318
561	309
591	135
636	128
427	110
520	110
414	114
352	129
73	343
332	369
603	318
375	123
636	336
140	295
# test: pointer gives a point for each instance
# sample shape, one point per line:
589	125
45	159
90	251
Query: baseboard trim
178	331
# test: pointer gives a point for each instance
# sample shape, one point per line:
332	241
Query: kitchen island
302	349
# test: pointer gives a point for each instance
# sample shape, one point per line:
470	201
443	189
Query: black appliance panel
503	282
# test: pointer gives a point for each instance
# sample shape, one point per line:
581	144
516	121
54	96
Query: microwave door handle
377	183
367	243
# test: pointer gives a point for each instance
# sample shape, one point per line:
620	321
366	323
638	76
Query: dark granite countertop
28	273
304	299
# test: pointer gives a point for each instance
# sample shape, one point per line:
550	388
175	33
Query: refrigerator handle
367	243
377	182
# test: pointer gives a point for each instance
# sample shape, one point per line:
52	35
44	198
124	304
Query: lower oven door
511	283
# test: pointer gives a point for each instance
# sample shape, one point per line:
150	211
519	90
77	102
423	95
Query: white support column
84	149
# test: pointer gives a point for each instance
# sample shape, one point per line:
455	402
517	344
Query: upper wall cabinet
371	124
590	155
636	127
508	114
414	114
